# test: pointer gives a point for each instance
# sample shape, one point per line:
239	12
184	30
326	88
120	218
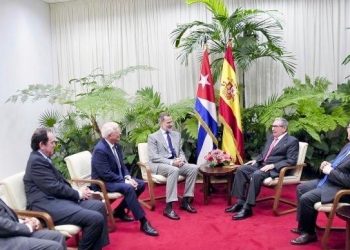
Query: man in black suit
337	176
280	150
108	166
47	190
25	234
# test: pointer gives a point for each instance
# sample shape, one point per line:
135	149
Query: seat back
142	149
301	159
13	192
79	165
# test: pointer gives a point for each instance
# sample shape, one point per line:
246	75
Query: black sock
143	220
169	206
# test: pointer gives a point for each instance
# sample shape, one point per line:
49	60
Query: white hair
108	128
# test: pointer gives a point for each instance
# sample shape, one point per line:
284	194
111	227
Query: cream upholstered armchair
293	178
13	194
330	209
79	167
149	177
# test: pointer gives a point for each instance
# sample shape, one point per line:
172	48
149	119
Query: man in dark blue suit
26	234
280	150
337	176
108	166
47	190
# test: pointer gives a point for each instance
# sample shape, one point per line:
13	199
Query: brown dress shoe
303	239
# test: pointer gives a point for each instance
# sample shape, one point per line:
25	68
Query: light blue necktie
339	159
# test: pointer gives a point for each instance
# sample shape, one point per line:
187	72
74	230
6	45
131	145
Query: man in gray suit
25	234
167	158
48	191
280	150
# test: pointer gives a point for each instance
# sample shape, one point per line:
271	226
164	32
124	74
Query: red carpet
211	228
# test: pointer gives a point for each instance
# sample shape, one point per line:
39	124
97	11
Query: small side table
344	213
208	172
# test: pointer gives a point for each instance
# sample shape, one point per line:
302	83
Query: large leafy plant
315	115
254	33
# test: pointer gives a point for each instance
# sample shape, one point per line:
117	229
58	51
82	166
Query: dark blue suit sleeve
102	167
10	228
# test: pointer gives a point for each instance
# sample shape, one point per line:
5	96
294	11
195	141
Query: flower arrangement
218	157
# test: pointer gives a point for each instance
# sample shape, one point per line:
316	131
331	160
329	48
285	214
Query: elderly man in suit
337	176
280	150
167	158
108	166
48	191
26	234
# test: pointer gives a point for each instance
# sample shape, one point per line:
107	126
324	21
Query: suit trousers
308	194
130	197
251	176
39	240
172	173
93	220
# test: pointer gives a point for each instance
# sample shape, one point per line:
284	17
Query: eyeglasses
276	126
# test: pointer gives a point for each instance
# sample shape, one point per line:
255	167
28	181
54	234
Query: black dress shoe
296	230
234	209
188	208
148	229
242	214
123	217
304	239
171	214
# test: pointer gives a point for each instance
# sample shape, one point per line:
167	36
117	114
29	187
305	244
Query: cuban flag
205	110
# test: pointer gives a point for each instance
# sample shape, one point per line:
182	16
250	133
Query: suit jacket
285	153
339	178
47	190
158	148
9	224
104	165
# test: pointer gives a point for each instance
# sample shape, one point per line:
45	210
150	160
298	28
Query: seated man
48	191
167	158
280	150
108	166
337	176
25	234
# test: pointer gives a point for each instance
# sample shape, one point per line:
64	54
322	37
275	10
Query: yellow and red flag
229	110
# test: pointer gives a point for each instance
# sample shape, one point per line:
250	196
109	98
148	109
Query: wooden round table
343	212
208	172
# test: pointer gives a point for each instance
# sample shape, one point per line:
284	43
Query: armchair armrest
43	216
98	183
148	170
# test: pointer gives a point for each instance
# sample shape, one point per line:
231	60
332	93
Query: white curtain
115	34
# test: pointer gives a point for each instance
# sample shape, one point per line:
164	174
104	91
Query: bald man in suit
25	234
167	158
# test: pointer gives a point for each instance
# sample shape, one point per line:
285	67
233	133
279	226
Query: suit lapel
9	211
162	139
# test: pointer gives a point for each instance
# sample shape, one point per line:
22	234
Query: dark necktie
173	152
339	159
115	153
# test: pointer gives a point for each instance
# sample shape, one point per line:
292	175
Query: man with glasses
280	150
337	176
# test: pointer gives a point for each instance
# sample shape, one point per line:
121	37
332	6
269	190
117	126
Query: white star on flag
204	81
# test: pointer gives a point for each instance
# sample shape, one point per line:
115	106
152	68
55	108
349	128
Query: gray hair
162	115
108	128
284	122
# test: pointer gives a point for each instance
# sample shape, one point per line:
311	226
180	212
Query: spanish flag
229	110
